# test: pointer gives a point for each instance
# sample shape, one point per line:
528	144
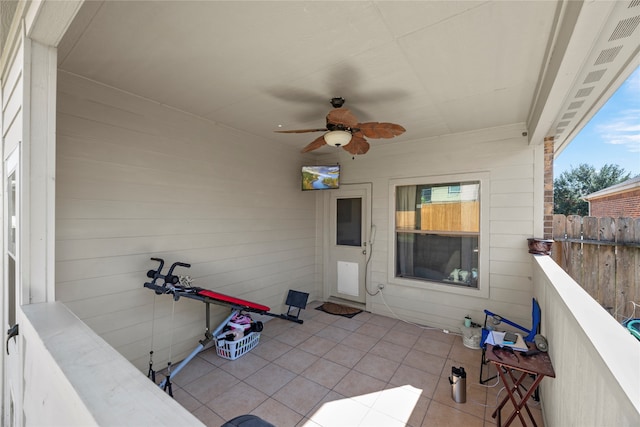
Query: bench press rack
171	284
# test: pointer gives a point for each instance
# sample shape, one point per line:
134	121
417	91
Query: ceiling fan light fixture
337	138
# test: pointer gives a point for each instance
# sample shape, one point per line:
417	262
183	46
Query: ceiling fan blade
358	145
301	130
342	116
317	143
380	130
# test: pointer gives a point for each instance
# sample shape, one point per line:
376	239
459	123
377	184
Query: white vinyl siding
506	161
137	180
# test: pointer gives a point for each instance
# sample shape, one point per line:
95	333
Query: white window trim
482	291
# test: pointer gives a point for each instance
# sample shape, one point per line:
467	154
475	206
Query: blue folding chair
495	320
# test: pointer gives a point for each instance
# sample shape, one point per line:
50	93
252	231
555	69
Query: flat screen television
323	177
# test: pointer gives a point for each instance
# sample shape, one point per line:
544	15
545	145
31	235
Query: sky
612	136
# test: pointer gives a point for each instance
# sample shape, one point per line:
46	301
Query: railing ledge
86	376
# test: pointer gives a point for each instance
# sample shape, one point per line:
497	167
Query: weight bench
171	285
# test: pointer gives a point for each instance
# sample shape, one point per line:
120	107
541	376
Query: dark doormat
339	309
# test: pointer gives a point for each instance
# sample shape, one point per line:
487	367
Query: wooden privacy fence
603	256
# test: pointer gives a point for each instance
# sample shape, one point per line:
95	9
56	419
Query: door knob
11	333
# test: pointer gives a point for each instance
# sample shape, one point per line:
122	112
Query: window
437	233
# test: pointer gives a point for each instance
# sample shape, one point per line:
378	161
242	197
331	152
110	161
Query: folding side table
512	364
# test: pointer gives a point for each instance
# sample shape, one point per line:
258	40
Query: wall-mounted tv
324	177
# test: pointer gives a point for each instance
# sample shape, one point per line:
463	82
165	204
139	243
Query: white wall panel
509	160
137	180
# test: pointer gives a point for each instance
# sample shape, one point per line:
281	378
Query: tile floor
332	371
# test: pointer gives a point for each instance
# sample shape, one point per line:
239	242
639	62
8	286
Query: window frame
483	236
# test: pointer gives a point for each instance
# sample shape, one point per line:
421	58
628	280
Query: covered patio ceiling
436	67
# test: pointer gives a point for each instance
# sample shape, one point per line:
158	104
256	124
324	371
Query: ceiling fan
343	130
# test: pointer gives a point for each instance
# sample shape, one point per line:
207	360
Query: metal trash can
458	381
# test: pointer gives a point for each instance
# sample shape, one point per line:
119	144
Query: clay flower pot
539	246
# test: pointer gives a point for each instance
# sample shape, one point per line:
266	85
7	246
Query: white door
12	413
349	233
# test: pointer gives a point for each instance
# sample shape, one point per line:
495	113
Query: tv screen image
320	177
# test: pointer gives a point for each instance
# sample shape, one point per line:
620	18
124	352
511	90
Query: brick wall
617	205
548	187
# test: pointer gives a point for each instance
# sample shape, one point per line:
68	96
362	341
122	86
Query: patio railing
596	360
72	377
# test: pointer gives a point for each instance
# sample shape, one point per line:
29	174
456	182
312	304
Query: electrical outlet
380	286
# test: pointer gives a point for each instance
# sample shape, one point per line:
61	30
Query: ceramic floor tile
404	339
296	360
293	337
326	373
408	328
211	385
386	322
276	327
475	402
424	361
311	327
270	349
277	413
333	333
325	318
348	324
360	386
334	371
345	355
360	341
436	334
419	412
373	330
186	400
208	417
301	395
389	350
444	416
317	345
244	366
197	368
398	403
270	379
437	348
377	367
237	400
337	410
406	375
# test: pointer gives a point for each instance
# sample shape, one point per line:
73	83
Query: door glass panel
11	246
349	222
11	213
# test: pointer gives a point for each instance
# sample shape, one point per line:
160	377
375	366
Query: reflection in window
437	232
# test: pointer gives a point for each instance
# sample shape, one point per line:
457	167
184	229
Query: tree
571	186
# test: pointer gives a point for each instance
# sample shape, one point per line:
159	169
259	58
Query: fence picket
559	233
603	256
574	232
590	275
625	288
607	276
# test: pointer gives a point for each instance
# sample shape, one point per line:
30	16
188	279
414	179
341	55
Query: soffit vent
567	116
625	28
584	92
634	3
575	105
607	55
594	76
563	124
